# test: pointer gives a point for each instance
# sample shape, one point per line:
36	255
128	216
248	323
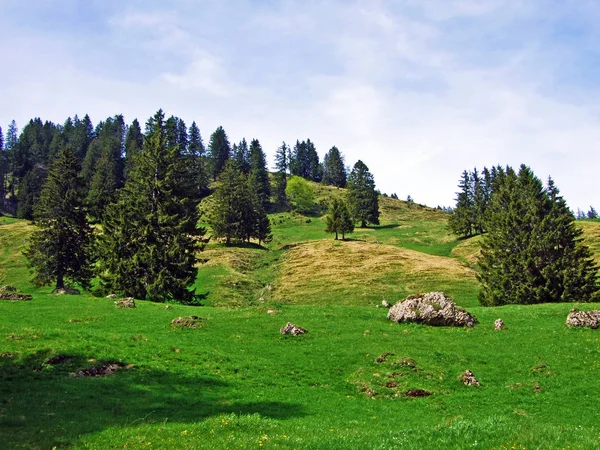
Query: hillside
235	382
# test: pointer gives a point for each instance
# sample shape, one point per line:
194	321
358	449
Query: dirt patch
383	358
187	322
102	370
57	360
417	393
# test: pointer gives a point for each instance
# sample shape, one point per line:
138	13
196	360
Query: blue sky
419	90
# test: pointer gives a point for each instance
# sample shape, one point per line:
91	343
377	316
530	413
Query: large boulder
578	318
433	308
127	302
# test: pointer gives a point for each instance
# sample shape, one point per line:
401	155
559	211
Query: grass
235	382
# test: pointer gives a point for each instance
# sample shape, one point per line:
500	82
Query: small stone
167	307
68	290
112	296
292	329
8	288
386	304
499	325
187	322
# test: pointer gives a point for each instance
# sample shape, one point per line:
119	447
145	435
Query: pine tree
338	219
334	171
59	251
197	154
218	151
133	145
228	216
281	164
362	196
532	252
259	173
241	155
461	220
592	214
315	169
150	236
3	172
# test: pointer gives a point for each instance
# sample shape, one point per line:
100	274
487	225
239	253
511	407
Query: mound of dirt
499	325
417	393
590	319
433	308
468	378
57	360
292	329
187	322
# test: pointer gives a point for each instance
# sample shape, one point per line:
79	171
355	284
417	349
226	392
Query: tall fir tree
334	171
533	253
362	196
219	151
282	165
197	155
240	153
150	237
133	145
259	173
59	251
462	218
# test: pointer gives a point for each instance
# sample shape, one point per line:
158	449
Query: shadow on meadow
45	405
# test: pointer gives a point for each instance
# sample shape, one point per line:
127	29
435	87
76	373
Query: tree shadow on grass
47	405
380	227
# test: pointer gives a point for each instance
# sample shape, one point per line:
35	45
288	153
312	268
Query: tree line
143	188
532	251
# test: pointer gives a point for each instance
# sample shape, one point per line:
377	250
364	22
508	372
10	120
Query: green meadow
235	382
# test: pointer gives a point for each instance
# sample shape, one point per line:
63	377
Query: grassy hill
235	382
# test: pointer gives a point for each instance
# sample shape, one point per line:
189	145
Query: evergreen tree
229	214
59	251
241	155
133	145
299	161
338	219
10	142
462	218
315	169
259	173
533	252
281	164
362	196
334	171
150	236
197	156
218	151
592	214
29	192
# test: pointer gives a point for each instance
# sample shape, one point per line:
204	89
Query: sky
419	90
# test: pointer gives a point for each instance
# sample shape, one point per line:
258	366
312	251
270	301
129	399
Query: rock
578	318
187	322
433	308
386	304
100	371
66	290
272	311
468	378
127	302
168	307
383	358
499	325
292	329
111	296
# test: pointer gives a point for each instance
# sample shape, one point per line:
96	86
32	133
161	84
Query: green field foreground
236	382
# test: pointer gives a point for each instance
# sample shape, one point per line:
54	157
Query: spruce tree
133	145
197	155
533	253
218	151
362	196
150	238
334	171
59	251
281	164
241	155
462	218
231	205
259	173
338	219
